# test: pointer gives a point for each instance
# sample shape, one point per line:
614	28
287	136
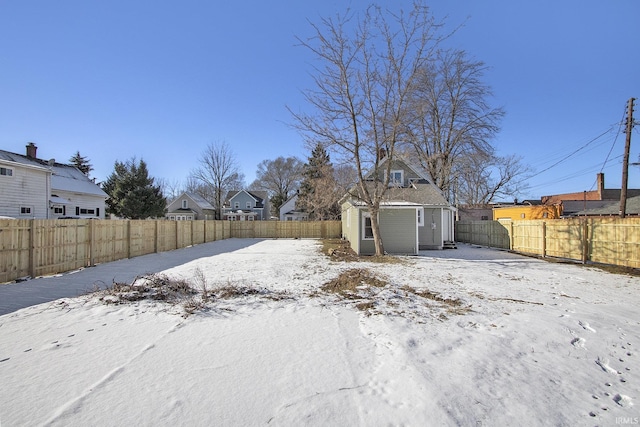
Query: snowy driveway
487	338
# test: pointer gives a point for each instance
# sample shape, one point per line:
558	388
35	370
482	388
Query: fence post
177	237
92	238
32	248
128	238
544	239
585	244
156	236
511	236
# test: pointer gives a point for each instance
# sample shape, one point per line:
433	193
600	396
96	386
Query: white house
36	188
288	211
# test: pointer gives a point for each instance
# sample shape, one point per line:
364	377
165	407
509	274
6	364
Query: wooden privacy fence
613	241
35	247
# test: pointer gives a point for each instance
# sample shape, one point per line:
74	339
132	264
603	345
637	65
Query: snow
471	336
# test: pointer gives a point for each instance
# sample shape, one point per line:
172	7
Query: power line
571	154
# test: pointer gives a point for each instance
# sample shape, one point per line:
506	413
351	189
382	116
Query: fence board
39	247
613	241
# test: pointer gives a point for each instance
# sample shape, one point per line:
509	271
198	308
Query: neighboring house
190	206
246	205
611	208
475	213
36	188
288	211
527	211
414	215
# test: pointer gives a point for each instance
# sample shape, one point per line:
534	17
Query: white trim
365	216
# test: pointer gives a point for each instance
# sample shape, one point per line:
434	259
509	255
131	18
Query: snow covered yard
462	337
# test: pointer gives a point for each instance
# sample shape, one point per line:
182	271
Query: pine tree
318	190
132	193
82	163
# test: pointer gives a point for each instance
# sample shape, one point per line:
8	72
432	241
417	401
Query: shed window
420	213
367	229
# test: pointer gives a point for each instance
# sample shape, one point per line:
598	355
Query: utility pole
625	159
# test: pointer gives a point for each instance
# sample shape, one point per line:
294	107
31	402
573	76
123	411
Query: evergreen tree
132	193
319	192
82	163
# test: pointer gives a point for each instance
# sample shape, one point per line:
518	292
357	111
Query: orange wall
528	212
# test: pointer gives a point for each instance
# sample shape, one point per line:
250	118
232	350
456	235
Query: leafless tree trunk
369	66
452	116
219	172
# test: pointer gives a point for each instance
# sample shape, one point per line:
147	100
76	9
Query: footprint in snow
578	342
586	326
604	364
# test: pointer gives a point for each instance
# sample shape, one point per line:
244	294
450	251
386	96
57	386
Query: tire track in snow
75	405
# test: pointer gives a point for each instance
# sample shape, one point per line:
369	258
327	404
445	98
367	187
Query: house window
248	205
367	229
85	211
236	205
25	210
396	179
420	212
58	210
6	171
184	204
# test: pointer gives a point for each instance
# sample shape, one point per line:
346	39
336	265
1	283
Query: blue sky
160	80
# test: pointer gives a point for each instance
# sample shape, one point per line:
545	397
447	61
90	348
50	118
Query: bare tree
280	178
452	116
218	173
170	189
370	64
482	178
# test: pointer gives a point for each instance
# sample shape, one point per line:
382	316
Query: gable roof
258	196
423	191
64	177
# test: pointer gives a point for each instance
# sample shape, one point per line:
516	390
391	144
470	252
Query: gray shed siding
398	230
428	236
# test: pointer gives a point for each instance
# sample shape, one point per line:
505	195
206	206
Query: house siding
81	201
26	187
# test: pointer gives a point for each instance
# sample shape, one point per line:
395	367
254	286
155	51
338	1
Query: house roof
64	177
423	191
200	201
613	208
259	196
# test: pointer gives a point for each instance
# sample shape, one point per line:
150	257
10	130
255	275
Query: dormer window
396	179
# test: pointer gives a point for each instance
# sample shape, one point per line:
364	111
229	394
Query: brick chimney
32	150
600	183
